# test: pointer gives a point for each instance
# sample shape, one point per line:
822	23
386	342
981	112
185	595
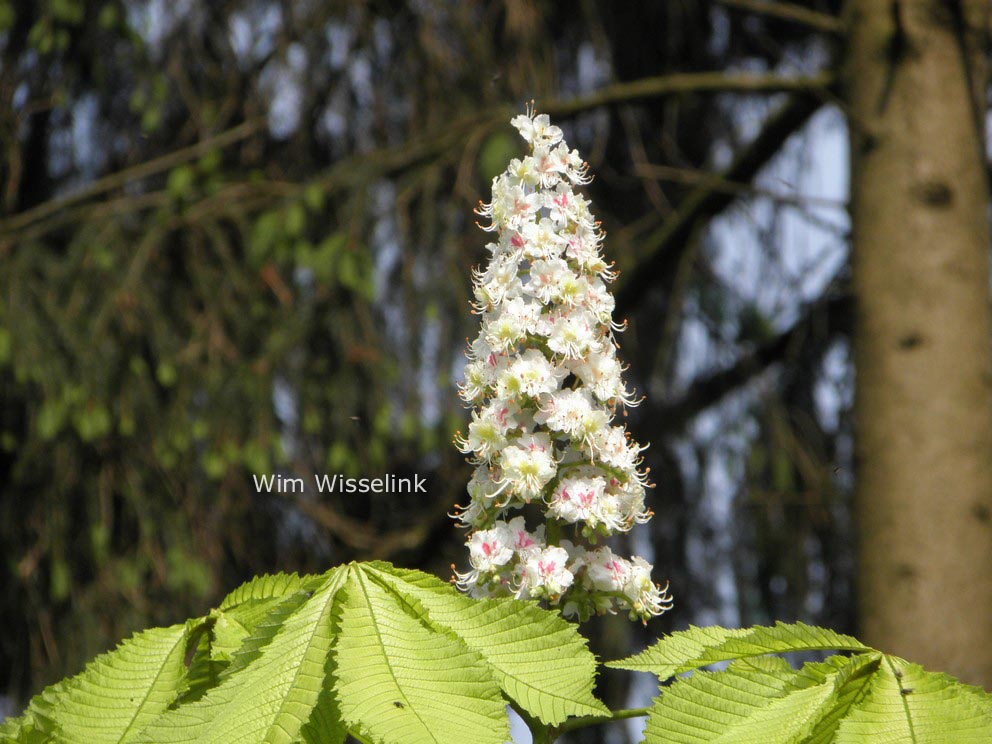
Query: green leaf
119	692
273	696
401	682
37	724
265	628
691	649
804	709
539	660
250	602
853	682
325	725
759	700
908	704
701	707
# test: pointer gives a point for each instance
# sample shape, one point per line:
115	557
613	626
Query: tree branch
789	12
828	316
427	144
715	181
660	250
134	173
691	82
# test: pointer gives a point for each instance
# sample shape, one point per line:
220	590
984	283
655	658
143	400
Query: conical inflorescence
545	384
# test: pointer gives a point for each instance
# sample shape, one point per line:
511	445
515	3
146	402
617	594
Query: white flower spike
545	383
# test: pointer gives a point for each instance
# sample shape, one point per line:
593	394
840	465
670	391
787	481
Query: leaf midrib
335	580
375	626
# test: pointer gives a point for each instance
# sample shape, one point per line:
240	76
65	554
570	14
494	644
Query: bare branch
718	183
660	251
826	317
134	173
429	144
789	12
692	82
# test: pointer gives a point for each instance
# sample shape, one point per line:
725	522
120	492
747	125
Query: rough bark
922	331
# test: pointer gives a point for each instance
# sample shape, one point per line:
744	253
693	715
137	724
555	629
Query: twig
134	173
692	82
718	183
583	721
789	12
833	314
660	250
364	167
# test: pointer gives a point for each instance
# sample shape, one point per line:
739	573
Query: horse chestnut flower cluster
545	384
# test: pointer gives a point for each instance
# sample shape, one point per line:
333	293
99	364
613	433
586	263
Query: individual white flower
524	170
574	334
597	300
511	325
571	164
608	517
540	240
549	168
583	248
546	275
537	129
645	597
511	204
605	571
565	207
544	574
577	499
499	282
601	373
630	499
488	550
488	430
477	380
614	447
564	411
531	374
528	464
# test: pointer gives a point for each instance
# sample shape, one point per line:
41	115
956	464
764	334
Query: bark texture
922	334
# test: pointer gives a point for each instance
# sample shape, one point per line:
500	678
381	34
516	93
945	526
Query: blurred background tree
236	238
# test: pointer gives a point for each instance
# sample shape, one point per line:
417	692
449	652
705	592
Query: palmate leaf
113	698
539	660
36	725
392	655
690	649
908	704
398	657
401	682
274	694
701	707
760	699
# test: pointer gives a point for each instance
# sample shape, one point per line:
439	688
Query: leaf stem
540	732
584	721
552	531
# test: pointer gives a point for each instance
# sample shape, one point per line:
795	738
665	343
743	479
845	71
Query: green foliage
389	655
868	696
698	647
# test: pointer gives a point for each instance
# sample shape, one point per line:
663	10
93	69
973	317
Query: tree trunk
919	200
